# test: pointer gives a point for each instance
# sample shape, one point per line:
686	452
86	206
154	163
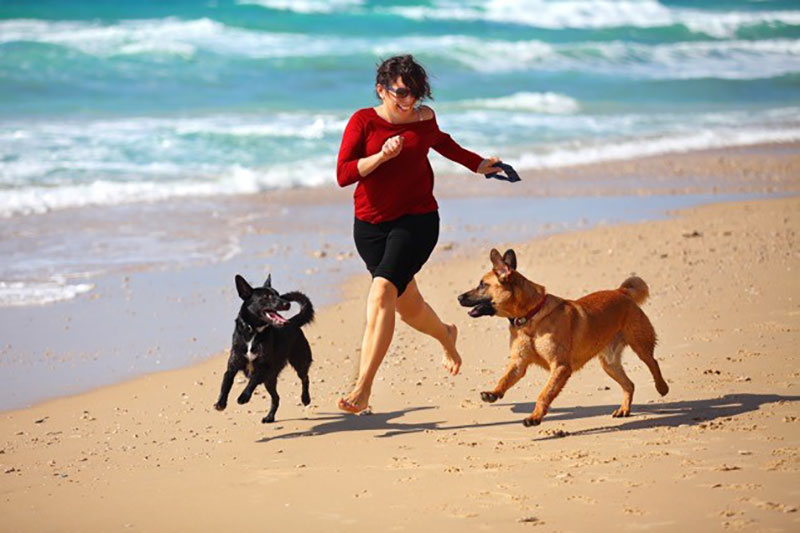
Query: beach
152	151
720	451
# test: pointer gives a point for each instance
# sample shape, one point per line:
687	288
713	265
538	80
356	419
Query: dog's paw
220	406
530	421
306	399
243	398
662	388
619	413
269	419
489	397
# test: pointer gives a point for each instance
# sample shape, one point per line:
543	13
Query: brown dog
563	335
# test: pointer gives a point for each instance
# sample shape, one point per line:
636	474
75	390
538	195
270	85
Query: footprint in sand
771	506
583	499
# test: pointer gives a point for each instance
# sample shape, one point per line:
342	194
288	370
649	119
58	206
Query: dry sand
720	451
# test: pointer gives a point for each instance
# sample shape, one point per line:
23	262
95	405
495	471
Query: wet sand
161	274
721	451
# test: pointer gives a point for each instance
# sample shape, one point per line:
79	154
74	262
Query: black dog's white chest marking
251	356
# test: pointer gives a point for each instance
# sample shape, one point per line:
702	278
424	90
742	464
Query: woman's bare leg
416	312
381	304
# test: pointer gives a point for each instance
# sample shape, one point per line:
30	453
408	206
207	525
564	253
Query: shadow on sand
670	414
336	422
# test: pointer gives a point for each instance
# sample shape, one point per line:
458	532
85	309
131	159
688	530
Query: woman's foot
451	361
353	403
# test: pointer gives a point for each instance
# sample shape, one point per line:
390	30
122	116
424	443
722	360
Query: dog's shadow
669	414
336	422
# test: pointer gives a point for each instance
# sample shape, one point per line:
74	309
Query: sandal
511	174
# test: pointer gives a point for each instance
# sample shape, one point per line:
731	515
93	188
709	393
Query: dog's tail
306	314
636	289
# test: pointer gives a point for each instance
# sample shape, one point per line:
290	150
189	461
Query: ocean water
105	103
137	323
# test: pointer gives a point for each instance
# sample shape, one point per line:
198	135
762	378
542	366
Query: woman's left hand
487	166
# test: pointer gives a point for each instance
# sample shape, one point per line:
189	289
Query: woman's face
397	97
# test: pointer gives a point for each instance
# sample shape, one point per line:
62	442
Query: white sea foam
56	165
307	6
707	59
298	125
574	152
733	59
475	126
597	14
685	60
725	59
548	103
21	294
739	59
160	150
233	180
562	156
315	172
167	36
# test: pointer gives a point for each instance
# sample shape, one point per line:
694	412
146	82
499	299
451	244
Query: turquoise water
107	107
107	102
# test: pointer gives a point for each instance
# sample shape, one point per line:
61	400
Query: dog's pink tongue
276	317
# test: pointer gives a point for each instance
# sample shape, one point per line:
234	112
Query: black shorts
396	250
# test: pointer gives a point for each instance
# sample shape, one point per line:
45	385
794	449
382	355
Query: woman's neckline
375	111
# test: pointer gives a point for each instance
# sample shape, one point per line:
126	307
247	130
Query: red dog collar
521	321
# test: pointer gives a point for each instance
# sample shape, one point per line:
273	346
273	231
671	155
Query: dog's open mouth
275	318
482	309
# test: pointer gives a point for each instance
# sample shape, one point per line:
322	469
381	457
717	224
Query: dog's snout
469	298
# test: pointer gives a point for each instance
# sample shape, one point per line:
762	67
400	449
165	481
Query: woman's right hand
392	147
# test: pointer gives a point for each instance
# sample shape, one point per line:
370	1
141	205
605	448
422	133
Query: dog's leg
641	337
614	369
271	383
301	367
305	397
255	380
227	383
515	372
559	375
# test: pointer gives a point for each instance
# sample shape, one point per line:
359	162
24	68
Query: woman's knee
383	293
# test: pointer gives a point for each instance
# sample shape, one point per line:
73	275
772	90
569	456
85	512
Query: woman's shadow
336	422
670	414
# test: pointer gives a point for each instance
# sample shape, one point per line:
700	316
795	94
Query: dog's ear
268	283
243	288
501	269
510	258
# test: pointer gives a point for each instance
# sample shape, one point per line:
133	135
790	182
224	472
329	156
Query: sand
721	451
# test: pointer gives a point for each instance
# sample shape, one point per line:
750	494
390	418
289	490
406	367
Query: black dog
263	341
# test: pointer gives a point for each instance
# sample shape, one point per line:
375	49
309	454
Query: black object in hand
511	174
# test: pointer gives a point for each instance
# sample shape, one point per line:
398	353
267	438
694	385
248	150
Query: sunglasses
400	93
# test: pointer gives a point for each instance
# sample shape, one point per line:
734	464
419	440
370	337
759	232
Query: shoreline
153	298
756	168
454	250
91	351
726	436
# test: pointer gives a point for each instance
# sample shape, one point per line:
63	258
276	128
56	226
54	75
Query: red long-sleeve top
402	185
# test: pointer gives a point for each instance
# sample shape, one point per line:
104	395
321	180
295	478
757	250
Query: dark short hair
411	72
